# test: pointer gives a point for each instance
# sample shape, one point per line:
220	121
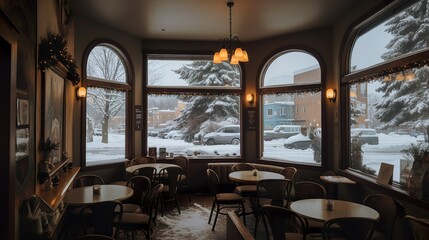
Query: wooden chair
351	228
146	171
419	227
87	180
183	182
102	218
244	190
389	210
270	192
283	223
223	200
308	190
141	186
143	220
169	192
235	228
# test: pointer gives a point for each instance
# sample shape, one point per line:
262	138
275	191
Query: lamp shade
223	54
81	92
331	94
216	58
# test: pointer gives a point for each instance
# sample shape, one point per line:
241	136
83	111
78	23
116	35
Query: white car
98	132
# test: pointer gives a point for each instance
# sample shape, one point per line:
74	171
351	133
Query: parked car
171	133
298	141
229	134
98	132
366	135
282	131
153	132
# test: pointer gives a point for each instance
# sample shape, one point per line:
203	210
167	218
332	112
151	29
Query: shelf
55	196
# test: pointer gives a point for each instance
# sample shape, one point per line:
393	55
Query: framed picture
385	174
22	112
22	143
54	110
152	152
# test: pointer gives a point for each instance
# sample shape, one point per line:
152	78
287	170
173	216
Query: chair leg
211	212
177	204
217	212
244	214
256	223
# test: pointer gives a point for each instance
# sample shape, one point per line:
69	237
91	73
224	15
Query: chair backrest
275	189
289	173
281	221
213	180
103	217
351	228
419	227
183	162
87	180
242	167
141	186
142	160
308	189
150	203
172	174
386	206
149	172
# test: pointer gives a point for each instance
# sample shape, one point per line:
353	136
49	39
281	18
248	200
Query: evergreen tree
204	114
406	99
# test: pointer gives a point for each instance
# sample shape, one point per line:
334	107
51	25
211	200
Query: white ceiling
209	19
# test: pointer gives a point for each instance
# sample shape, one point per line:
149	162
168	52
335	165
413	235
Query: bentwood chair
351	228
270	192
102	218
169	192
149	172
144	220
283	223
87	180
223	200
419	227
244	190
141	186
183	181
390	211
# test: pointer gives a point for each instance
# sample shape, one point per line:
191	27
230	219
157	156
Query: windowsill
390	190
290	163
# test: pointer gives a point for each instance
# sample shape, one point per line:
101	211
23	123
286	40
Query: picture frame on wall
22	112
54	110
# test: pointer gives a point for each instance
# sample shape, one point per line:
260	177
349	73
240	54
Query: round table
85	195
247	177
158	166
315	209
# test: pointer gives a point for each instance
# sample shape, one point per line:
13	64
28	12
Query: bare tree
103	104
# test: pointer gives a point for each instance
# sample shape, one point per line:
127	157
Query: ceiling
209	19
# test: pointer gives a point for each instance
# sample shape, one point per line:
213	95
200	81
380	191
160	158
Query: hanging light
226	52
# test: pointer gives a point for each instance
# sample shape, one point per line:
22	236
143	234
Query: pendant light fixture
227	53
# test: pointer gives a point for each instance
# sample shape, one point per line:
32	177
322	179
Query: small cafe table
247	177
85	195
316	209
158	166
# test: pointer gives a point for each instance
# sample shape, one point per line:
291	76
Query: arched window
291	108
193	106
107	106
387	90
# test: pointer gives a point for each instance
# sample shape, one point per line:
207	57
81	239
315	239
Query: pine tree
406	101
204	114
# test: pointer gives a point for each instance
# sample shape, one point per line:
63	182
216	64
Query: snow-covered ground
388	150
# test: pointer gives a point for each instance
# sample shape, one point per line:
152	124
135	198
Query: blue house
278	113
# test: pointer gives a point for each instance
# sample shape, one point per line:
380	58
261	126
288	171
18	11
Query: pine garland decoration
52	50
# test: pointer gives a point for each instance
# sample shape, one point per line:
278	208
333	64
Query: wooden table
247	177
315	209
85	195
333	182
158	166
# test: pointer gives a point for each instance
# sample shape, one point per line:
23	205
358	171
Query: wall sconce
80	93
331	94
250	98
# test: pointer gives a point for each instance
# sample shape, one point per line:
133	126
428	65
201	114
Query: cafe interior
226	119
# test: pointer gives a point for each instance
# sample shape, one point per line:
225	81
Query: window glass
291	119
205	122
403	33
106	115
388	111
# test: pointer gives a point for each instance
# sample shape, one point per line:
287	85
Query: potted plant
419	155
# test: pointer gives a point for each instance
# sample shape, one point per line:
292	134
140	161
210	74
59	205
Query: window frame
176	90
126	87
348	77
290	88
